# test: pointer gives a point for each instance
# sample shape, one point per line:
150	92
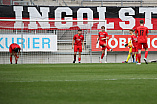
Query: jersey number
141	32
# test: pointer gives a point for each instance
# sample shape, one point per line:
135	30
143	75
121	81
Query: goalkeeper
130	50
129	54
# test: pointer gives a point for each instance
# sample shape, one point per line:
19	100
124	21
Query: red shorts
77	48
103	48
101	43
135	49
145	45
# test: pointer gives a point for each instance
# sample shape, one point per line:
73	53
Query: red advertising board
117	42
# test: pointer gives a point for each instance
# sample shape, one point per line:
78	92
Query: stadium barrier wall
118	19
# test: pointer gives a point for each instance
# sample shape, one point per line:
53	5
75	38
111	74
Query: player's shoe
11	63
111	50
138	63
74	61
100	61
145	60
124	62
79	62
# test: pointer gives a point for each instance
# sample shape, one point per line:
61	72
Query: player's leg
136	53
139	56
129	55
139	53
133	54
11	58
79	59
146	52
16	59
103	53
74	57
11	53
75	52
103	45
80	51
108	47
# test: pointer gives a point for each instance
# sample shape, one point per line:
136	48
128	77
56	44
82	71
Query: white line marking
87	80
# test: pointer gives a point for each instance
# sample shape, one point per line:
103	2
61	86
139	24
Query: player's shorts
77	48
135	49
101	43
103	48
145	45
130	50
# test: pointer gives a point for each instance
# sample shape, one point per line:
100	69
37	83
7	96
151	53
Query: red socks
102	56
108	47
139	58
146	54
136	57
79	59
11	60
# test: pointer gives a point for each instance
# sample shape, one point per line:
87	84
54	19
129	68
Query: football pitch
78	84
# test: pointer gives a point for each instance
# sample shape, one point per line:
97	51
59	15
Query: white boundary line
86	80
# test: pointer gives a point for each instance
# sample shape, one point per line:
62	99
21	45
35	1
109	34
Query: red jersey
14	45
142	31
78	39
102	35
134	40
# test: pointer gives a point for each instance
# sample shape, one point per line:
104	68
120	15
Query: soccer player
14	49
142	33
129	54
103	36
134	45
79	40
133	50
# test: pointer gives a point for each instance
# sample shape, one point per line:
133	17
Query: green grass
78	84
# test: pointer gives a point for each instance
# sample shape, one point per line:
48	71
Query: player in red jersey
79	40
103	36
142	32
134	44
14	49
